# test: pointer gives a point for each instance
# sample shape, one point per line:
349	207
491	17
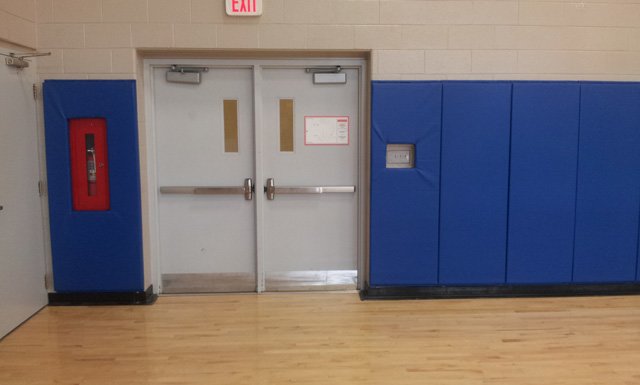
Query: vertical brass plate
286	125
230	125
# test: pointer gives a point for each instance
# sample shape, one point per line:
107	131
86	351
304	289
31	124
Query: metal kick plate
311	280
208	283
401	155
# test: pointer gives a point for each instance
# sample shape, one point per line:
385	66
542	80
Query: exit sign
244	7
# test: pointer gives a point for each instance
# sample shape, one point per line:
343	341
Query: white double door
257	177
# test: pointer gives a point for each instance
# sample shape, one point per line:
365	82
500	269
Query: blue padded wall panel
404	202
95	251
608	193
475	171
544	151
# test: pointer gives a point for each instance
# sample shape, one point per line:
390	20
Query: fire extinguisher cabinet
93	180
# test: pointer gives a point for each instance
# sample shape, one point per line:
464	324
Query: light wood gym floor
330	339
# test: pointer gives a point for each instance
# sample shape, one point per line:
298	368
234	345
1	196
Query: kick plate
208	283
312	280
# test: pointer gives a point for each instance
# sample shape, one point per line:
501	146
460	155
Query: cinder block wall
409	39
412	39
18	22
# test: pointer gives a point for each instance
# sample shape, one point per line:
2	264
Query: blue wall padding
404	202
475	171
544	156
539	183
95	251
606	240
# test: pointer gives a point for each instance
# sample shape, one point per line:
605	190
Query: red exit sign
244	7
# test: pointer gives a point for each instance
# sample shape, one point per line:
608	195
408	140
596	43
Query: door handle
272	190
246	189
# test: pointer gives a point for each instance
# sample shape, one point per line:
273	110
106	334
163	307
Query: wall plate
401	155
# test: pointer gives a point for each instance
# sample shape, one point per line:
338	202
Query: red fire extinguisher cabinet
89	164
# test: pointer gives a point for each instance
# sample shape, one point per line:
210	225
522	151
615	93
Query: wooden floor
329	339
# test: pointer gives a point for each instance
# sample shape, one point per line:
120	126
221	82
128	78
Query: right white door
310	168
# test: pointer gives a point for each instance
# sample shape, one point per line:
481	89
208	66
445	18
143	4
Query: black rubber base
146	297
501	291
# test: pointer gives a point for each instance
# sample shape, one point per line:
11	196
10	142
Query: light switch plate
401	155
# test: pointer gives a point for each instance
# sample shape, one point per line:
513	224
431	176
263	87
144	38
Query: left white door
205	161
22	265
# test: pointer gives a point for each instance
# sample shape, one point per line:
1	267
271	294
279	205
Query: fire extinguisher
91	166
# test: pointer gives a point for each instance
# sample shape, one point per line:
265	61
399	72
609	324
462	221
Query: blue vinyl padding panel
475	172
606	240
95	251
544	156
405	202
539	183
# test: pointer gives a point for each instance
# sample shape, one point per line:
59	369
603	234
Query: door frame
363	149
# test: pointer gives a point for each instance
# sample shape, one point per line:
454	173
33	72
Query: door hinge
35	91
41	188
47	282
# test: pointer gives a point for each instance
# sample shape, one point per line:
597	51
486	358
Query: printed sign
326	130
244	7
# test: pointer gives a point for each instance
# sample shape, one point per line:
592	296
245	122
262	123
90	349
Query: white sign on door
326	130
244	7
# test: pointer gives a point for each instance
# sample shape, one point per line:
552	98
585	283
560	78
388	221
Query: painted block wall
538	183
18	22
408	39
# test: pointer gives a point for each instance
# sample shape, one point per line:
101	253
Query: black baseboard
499	291
146	297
